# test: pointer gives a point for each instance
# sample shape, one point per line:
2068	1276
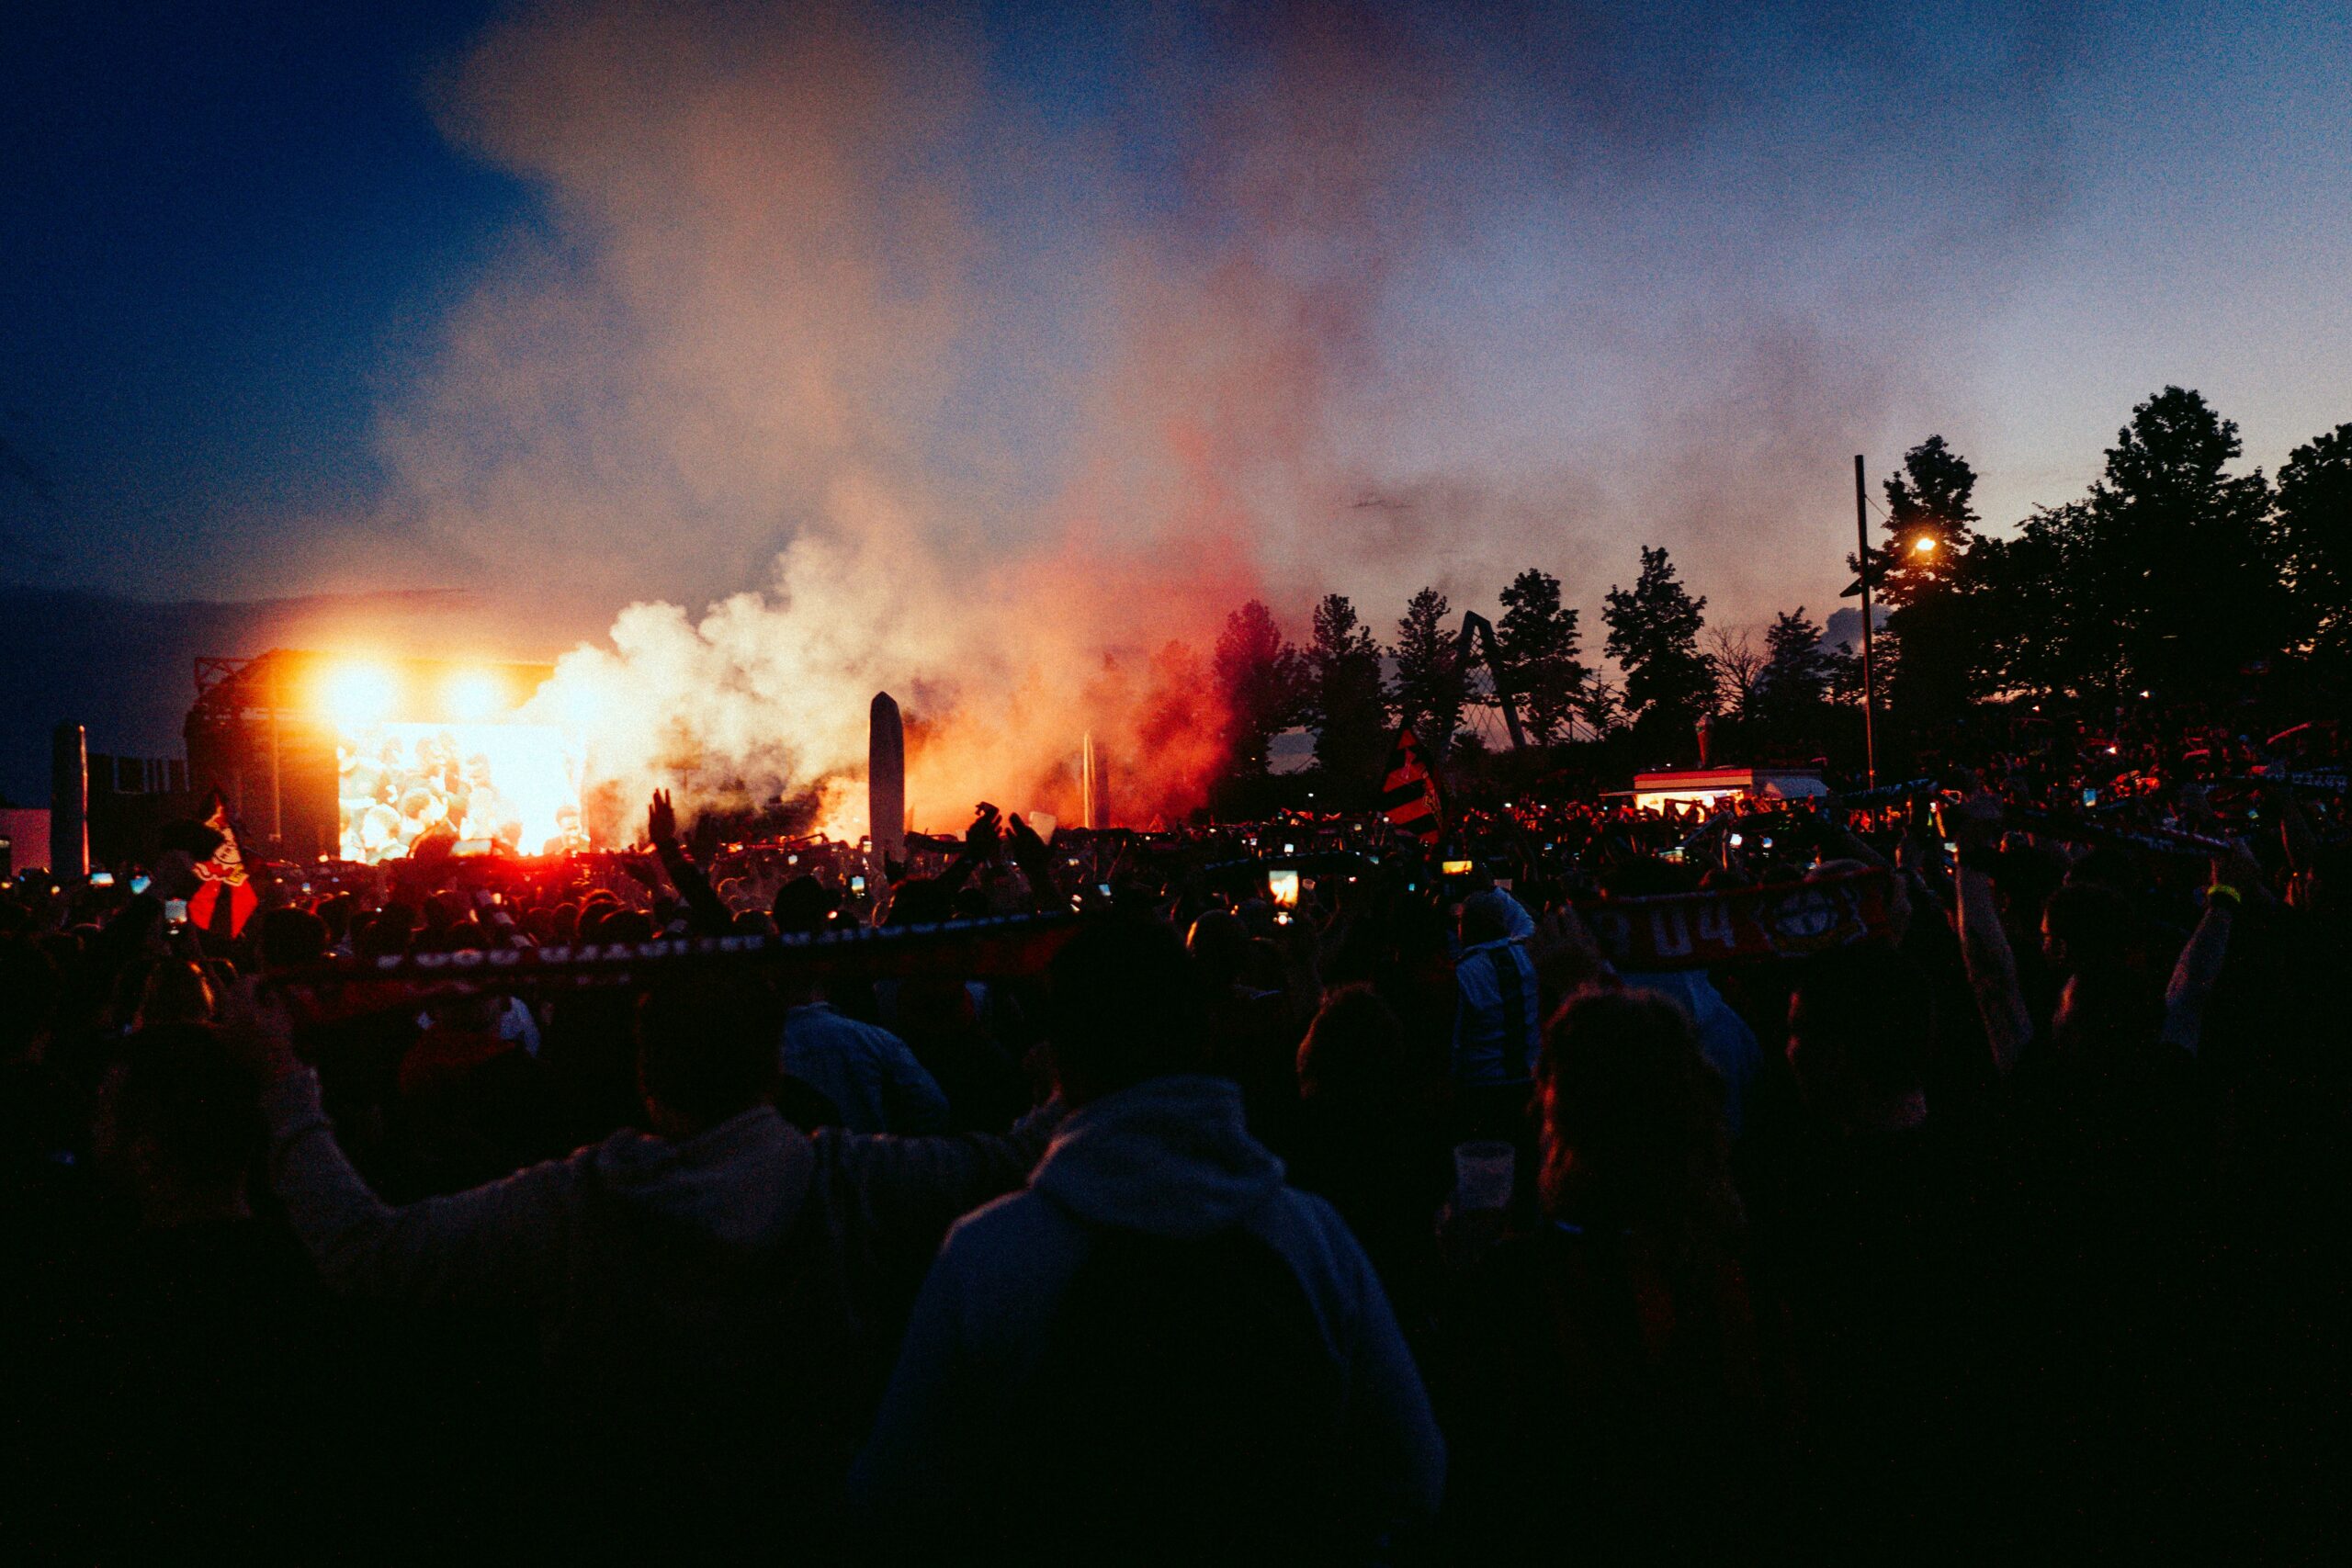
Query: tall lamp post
1923	544
1869	689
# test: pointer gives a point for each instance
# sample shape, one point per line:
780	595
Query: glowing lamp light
1924	544
472	697
357	696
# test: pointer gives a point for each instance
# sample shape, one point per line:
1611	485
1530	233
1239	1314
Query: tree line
2173	580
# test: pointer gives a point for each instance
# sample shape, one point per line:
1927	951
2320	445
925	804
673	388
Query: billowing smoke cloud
999	422
998	358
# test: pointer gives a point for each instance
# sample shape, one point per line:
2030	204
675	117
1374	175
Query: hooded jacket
1171	1157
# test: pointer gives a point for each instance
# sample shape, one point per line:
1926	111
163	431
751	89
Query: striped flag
226	899
1409	793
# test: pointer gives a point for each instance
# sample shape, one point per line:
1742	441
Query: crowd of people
1318	1193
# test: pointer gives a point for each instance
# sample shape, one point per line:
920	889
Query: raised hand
981	839
1025	842
662	821
2239	869
1030	854
1971	823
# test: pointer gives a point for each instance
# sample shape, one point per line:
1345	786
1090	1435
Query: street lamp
1924	544
1862	587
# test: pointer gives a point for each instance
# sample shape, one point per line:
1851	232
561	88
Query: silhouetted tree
2034	607
2315	530
1737	662
1431	683
1540	651
1930	517
1842	664
1654	637
1263	682
2183	559
1928	650
1601	706
1795	680
1348	708
2171	575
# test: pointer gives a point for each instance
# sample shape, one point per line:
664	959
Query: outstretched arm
1974	824
1036	863
2193	977
706	911
2295	835
494	1244
980	842
899	1195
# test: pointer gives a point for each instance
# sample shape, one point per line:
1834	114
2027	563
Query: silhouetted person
1613	1383
700	1290
1159	1352
189	1369
1371	1142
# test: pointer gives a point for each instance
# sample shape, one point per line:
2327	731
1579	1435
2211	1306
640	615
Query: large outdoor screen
515	784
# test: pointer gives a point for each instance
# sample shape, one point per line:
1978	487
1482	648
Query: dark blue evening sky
231	238
224	229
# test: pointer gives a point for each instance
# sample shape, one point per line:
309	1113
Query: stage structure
359	758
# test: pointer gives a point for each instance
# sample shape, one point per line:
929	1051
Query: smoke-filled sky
930	324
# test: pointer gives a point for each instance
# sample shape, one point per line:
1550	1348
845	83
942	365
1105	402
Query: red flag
1409	793
227	899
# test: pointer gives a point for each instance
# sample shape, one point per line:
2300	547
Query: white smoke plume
788	308
997	359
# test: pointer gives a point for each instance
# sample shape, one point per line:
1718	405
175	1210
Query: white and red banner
1790	919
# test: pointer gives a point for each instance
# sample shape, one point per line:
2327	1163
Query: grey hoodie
1170	1156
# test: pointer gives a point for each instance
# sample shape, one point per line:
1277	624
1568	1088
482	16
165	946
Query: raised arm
1974	824
705	910
2236	876
2295	836
980	847
1036	863
494	1244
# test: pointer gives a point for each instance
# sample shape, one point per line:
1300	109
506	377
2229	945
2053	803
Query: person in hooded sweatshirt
706	1292
1158	1348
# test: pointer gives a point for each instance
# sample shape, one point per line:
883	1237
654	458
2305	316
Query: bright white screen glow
516	783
